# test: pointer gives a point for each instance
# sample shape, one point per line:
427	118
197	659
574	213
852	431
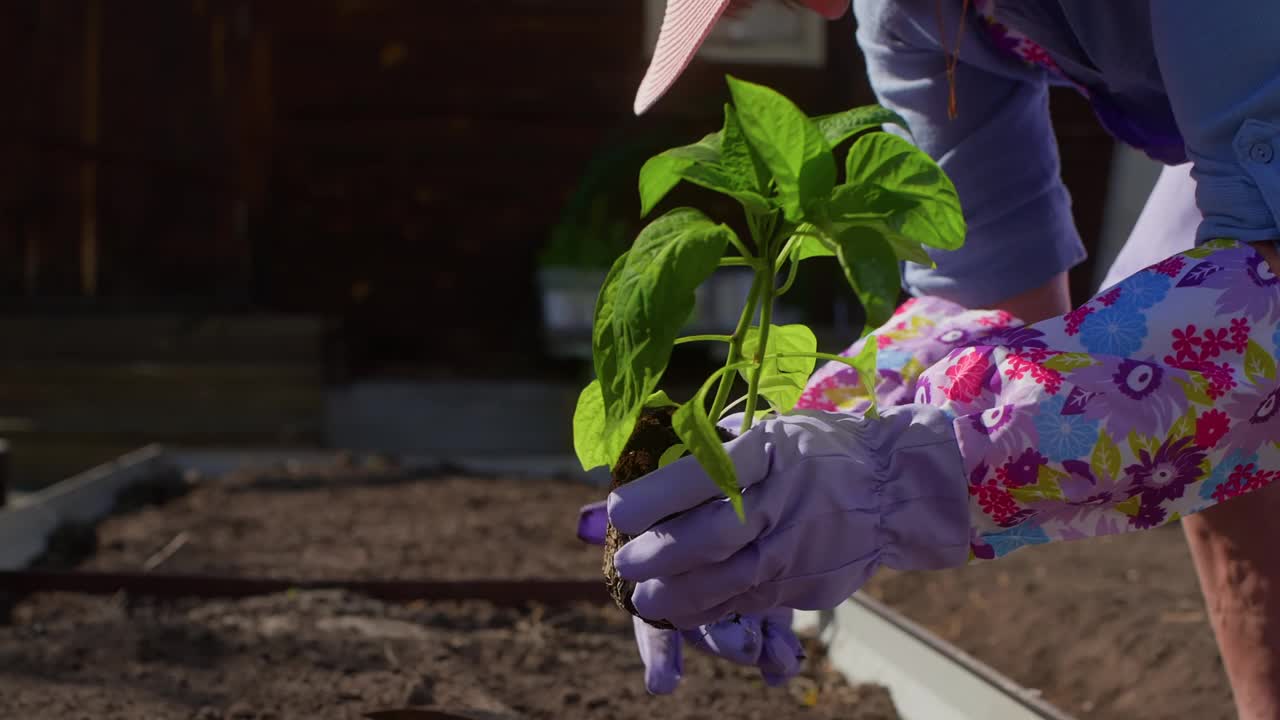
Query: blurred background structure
354	223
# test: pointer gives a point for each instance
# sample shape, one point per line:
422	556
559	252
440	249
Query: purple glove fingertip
783	654
737	639
593	522
661	654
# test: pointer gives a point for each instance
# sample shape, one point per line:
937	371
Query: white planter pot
568	298
568	305
721	300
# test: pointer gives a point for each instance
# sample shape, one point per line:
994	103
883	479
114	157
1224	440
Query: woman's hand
828	498
764	641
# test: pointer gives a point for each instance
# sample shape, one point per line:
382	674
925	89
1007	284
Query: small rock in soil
422	692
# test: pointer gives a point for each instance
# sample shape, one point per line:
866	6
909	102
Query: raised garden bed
316	653
1110	628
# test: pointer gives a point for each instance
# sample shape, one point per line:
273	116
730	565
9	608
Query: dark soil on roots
330	654
652	437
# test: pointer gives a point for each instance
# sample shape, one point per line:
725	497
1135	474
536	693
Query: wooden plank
18	35
505	593
92	85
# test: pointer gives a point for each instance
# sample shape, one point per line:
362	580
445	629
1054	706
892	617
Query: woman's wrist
1270	249
1041	303
1054	297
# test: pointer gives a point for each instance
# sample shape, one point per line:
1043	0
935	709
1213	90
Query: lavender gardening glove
828	498
765	641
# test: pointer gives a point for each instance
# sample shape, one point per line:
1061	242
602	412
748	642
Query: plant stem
764	279
786	251
732	405
804	230
704	338
819	355
791	277
737	243
735	348
737	262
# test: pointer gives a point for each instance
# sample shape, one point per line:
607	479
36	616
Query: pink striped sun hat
685	26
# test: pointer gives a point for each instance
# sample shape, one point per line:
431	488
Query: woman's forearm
1146	404
920	334
1155	400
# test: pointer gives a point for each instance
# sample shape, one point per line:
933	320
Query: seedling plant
779	164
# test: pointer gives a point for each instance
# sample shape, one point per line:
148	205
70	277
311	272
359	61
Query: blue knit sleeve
1000	151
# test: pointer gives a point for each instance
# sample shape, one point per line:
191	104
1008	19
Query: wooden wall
126	190
394	163
422	151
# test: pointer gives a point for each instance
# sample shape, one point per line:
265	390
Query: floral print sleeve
1154	400
922	332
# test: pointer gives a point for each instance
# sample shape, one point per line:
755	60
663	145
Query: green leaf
811	247
850	206
660	399
865	363
893	185
740	158
647	297
808	246
790	145
661	173
908	250
838	127
871	268
700	436
671	454
720	162
1105	460
613	433
1067	362
1258	363
588	428
782	380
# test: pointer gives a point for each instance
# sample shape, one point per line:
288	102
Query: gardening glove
764	641
828	497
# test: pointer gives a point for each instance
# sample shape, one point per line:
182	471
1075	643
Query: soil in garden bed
1110	628
309	522
314	655
321	654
